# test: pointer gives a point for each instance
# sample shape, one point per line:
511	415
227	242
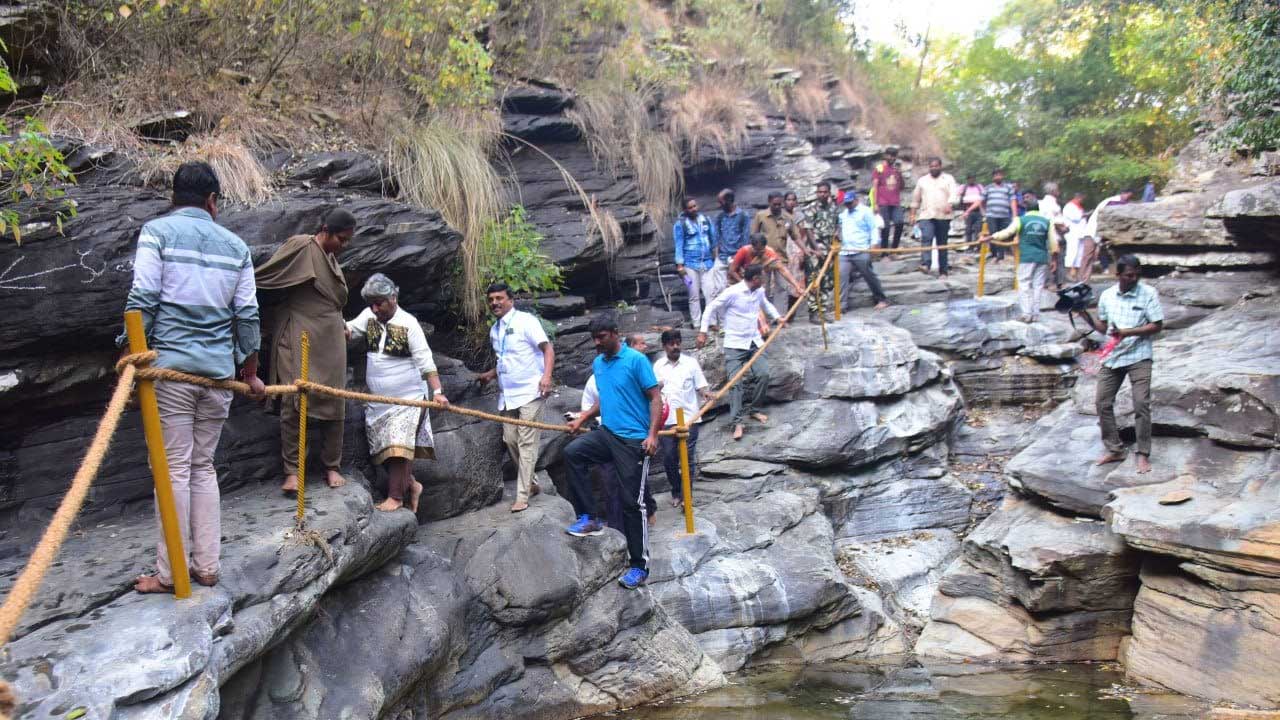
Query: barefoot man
1130	311
741	305
305	290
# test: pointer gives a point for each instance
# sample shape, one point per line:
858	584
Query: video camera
1074	298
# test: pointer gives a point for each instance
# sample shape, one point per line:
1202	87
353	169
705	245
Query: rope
28	583
301	519
719	394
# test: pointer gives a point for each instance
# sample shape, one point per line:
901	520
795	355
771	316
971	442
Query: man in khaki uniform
777	226
307	292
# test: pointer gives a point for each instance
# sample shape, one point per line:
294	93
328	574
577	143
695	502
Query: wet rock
472	632
541	128
98	645
1207	633
1230	520
1033	585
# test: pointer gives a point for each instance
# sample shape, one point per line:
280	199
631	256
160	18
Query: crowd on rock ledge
198	291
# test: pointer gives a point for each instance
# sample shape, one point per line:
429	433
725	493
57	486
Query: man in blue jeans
630	408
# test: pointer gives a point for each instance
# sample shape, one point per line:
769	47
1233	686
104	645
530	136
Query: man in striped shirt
999	206
193	283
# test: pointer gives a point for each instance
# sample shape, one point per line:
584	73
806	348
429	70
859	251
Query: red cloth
742	258
887	181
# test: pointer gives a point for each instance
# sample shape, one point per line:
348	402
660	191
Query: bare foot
519	507
1144	464
335	479
415	492
150	584
737	432
760	418
389	505
290	484
1111	457
676	502
881	305
653	520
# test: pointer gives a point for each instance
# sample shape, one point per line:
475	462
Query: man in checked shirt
1130	311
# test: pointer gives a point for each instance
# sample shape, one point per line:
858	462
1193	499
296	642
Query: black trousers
631	467
670	449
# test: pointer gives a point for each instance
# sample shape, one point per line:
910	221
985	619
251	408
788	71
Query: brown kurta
310	295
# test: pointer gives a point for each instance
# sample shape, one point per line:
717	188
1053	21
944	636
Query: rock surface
457	625
92	643
1208	633
1032	585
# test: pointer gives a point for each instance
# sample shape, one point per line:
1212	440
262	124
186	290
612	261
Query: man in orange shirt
759	253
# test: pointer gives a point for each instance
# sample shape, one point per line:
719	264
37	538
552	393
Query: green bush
509	252
31	168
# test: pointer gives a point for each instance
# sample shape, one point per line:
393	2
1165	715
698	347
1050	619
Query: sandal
519	507
205	579
148	584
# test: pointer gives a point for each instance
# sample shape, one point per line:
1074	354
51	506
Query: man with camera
1131	313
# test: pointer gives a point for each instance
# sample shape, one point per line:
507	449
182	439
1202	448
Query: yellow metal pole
301	519
686	482
982	268
835	278
159	463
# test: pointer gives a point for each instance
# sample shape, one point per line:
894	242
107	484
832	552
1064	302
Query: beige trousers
522	443
191	419
326	432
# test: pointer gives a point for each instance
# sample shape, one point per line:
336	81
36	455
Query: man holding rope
630	408
741	304
193	282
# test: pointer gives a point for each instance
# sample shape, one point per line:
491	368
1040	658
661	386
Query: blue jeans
934	232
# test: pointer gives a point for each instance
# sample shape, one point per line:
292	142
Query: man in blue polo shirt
630	408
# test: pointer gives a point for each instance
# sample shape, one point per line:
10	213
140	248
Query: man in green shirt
1034	259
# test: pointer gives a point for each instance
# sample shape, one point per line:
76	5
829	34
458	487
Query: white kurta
397	364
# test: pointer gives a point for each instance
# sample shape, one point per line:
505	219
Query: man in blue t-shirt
630	409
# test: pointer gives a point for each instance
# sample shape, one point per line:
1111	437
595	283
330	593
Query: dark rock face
74	286
471	631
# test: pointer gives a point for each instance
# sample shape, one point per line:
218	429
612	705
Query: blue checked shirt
1138	307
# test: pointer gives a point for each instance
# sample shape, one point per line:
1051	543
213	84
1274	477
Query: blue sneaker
584	527
633	578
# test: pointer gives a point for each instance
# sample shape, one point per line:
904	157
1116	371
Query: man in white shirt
683	386
526	359
931	209
741	304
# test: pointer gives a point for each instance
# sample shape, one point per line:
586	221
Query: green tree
31	168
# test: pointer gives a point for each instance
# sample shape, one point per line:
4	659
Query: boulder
756	573
1229	519
471	632
90	642
857	433
1032	585
1208	633
893	497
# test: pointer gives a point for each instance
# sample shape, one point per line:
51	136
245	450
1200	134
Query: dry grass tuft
808	99
615	120
715	114
910	130
243	179
440	165
609	230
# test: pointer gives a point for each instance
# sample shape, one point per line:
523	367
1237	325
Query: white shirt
1092	230
590	395
681	382
1050	207
516	338
740	306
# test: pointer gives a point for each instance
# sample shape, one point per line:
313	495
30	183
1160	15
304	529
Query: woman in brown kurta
307	292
